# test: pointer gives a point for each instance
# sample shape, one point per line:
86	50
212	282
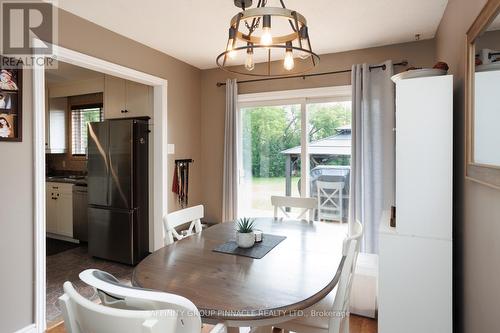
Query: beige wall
16	224
477	209
213	103
183	86
16	167
489	40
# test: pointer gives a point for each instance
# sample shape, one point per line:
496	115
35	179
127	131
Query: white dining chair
356	233
330	200
307	205
133	310
192	215
331	314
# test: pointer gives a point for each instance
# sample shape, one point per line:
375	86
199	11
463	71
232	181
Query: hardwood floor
357	325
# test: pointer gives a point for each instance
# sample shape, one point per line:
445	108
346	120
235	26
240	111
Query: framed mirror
483	97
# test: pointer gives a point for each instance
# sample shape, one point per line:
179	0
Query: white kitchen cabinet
114	97
126	99
65	214
56	135
51	209
59	209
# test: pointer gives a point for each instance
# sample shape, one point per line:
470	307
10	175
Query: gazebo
321	152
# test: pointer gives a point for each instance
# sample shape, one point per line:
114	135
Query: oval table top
296	274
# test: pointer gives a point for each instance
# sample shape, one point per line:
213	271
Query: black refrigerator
118	190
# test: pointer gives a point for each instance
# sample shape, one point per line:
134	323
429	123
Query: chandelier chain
255	22
252	27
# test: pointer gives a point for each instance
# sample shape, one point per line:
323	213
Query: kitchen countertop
76	180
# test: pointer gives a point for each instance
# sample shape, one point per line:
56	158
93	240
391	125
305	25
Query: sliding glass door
329	151
288	148
266	132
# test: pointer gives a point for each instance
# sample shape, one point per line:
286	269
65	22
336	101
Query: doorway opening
77	117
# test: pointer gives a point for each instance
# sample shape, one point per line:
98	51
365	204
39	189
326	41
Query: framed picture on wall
11	113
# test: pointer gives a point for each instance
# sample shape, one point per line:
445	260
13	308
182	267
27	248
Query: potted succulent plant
245	237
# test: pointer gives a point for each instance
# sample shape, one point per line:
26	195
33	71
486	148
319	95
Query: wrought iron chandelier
269	41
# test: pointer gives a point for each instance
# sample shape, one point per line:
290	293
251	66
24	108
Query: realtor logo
27	28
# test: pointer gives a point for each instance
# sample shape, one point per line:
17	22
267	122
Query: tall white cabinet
415	258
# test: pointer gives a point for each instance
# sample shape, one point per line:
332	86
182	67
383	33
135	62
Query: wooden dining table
294	275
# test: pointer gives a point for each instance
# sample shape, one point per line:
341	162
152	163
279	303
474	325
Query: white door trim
160	167
338	93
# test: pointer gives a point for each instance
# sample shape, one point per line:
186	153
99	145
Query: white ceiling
195	31
65	73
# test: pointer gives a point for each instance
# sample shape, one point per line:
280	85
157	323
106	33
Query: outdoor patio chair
330	201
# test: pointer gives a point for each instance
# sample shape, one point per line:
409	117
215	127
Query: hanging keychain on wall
180	183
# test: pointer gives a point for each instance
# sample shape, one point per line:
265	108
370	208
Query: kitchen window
80	117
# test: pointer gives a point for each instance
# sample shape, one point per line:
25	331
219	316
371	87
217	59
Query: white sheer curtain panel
230	177
373	148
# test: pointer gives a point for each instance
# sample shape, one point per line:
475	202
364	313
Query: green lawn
257	194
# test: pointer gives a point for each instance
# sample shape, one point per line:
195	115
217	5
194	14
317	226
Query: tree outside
268	130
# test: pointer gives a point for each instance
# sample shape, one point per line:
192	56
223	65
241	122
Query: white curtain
230	177
373	148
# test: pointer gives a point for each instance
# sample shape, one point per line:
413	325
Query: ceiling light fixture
267	34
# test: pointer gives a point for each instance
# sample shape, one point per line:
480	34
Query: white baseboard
28	329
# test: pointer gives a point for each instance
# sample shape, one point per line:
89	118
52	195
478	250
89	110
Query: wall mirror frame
488	175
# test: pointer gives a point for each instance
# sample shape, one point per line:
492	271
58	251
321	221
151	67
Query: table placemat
258	251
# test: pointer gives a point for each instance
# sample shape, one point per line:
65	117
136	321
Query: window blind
80	117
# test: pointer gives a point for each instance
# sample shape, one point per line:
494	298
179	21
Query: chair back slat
307	205
192	215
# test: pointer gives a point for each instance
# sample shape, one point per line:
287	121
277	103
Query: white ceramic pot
246	240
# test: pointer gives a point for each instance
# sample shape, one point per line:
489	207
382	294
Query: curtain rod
402	63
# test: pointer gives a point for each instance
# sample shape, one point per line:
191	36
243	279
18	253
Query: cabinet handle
124	111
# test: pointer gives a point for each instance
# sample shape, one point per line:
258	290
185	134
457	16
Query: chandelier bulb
289	63
304	37
231	40
267	38
249	63
232	53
